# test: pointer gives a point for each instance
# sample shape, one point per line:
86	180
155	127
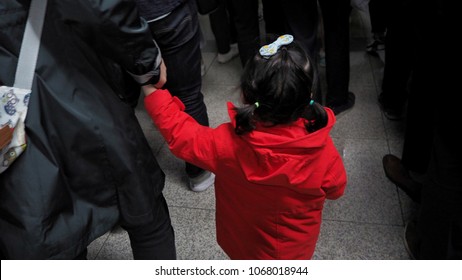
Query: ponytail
245	119
316	116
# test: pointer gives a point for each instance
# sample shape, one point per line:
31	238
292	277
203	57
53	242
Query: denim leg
178	37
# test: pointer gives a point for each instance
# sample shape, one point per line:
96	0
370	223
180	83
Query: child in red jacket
275	162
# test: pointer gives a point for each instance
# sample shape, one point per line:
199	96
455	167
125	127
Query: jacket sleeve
336	178
186	138
115	30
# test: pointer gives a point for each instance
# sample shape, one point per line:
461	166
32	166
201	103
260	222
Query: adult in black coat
87	166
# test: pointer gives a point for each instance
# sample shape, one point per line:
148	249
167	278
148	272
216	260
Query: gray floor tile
216	100
369	197
360	71
176	191
153	136
116	247
228	74
208	58
195	234
360	241
364	120
95	247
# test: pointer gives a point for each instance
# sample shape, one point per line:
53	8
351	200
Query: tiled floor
366	223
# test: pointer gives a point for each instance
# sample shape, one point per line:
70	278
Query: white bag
13	114
14	100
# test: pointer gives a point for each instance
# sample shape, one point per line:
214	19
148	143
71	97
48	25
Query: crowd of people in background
88	166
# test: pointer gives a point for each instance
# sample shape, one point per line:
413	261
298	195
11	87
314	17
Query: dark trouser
423	85
82	256
378	10
336	19
152	241
155	240
440	220
399	59
419	121
222	25
247	27
298	18
301	20
178	37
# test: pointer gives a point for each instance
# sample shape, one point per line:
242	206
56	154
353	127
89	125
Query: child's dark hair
278	90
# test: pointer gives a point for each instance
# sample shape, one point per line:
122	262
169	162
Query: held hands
148	89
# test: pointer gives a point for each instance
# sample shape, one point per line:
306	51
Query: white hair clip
271	49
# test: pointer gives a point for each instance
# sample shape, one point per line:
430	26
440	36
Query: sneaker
226	57
379	37
374	47
399	175
411	239
343	107
202	182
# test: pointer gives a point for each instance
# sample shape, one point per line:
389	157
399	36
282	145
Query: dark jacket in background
87	165
152	9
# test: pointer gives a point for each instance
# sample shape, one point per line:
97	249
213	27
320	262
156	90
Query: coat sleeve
186	138
336	178
115	30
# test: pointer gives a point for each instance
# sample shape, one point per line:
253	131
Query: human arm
335	179
186	138
115	30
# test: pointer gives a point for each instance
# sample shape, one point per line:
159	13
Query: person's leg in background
156	239
247	27
439	223
178	37
378	16
273	17
301	20
406	60
399	49
336	20
224	31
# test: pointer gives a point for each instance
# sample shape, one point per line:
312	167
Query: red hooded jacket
270	184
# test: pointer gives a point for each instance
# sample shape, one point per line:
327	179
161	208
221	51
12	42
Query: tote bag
14	100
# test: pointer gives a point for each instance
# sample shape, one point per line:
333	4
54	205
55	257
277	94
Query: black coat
87	165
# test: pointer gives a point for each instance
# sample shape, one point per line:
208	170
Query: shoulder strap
30	45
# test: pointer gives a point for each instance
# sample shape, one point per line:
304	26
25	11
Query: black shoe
346	106
399	175
411	239
390	113
376	45
372	49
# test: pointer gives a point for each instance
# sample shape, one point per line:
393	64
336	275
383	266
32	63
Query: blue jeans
178	37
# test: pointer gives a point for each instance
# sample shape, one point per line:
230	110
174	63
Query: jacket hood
282	151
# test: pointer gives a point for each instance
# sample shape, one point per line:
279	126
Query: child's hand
163	75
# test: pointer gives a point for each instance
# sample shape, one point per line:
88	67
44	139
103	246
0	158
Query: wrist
148	89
